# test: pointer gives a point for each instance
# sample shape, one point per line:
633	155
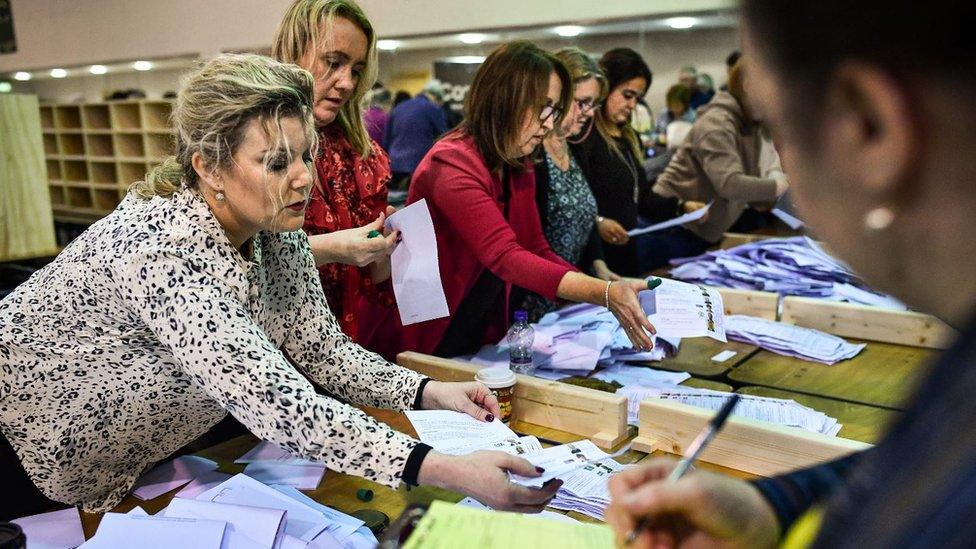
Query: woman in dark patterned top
877	133
567	208
178	307
333	40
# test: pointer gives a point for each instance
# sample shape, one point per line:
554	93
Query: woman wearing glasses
480	188
611	159
566	204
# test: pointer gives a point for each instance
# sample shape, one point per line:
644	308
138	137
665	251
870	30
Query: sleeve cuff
420	393
412	469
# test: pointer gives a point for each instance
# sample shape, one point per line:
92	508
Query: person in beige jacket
719	163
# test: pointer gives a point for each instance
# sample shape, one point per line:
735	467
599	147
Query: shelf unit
94	151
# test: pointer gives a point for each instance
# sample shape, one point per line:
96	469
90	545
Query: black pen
691	454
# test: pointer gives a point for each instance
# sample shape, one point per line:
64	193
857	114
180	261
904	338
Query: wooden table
882	375
860	422
695	357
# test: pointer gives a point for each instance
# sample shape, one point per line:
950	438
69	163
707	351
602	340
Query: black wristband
417	400
412	469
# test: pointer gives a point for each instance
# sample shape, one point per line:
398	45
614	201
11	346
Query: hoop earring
879	219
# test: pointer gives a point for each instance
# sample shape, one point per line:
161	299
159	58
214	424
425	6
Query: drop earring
879	219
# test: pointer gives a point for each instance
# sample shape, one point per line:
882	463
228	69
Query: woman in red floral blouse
335	42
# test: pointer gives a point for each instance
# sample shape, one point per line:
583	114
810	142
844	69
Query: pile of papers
583	468
586	490
271	464
574	340
788	266
789	340
780	411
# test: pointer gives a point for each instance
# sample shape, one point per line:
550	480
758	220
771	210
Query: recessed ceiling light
681	22
142	65
22	76
58	73
471	38
98	69
568	30
5	87
387	45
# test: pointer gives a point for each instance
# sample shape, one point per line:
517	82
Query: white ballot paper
559	460
304	477
172	475
54	530
454	433
475	504
686	218
122	530
302	521
247	527
416	274
679	310
269	452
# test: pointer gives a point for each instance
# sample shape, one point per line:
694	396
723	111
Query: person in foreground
175	309
876	133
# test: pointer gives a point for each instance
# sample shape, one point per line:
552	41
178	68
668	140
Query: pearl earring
220	196
879	218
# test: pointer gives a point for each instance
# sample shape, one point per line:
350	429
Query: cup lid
496	377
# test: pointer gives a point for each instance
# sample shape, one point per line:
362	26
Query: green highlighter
654	283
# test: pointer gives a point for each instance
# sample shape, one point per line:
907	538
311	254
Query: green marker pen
654	283
373	234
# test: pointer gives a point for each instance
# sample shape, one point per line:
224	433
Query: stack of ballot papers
447	526
585	489
788	266
272	464
458	434
780	411
575	340
789	340
560	460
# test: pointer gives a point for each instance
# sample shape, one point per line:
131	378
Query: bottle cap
521	316
496	378
11	536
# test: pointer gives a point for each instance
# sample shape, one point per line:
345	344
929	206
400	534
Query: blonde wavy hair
299	32
215	104
582	67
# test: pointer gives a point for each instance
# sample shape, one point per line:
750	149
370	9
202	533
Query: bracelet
600	219
606	294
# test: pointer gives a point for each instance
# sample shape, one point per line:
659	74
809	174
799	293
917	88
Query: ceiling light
5	87
98	69
681	22
58	73
471	38
469	59
142	65
388	45
22	76
568	31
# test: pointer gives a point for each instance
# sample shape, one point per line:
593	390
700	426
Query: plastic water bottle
520	338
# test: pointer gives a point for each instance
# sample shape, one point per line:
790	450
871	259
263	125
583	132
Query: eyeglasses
586	105
550	111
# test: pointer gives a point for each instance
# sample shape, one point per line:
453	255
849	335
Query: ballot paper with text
681	220
560	460
416	274
454	433
680	310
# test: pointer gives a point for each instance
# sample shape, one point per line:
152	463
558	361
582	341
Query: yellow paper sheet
447	526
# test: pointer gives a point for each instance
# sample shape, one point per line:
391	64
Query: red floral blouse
352	191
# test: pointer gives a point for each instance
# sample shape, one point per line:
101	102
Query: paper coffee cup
501	381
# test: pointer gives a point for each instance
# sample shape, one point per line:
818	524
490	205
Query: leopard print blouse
149	327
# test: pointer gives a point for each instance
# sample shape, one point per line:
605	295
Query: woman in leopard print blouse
174	310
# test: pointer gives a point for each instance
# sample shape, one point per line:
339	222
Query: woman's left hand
627	308
468	397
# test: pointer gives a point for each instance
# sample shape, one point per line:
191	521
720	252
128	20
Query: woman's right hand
354	246
703	509
483	475
611	231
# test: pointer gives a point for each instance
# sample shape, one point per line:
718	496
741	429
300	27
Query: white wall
54	33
